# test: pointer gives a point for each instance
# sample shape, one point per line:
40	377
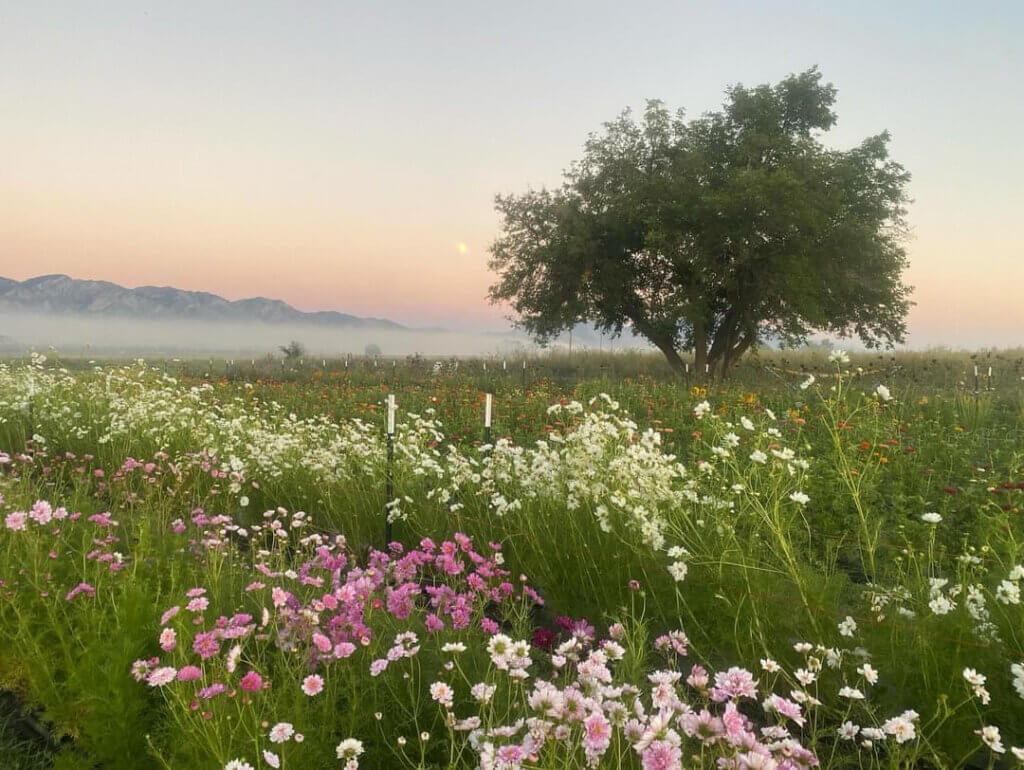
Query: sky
345	156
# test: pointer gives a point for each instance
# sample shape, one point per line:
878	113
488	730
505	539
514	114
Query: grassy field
819	561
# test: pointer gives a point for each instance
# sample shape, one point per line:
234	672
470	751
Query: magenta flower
206	644
212	691
81	588
251	682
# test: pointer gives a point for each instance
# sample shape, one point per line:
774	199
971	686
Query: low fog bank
20	332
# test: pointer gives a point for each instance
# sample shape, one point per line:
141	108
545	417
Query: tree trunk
736	352
700	349
671	355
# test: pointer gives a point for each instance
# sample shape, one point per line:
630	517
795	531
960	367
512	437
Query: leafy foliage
717	233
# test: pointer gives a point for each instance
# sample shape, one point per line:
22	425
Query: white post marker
487	410
391	414
990	372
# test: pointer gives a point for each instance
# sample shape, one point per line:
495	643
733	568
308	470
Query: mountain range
61	294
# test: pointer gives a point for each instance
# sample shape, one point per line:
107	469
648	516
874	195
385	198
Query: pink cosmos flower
734	683
511	754
168	615
785	707
190	674
206	645
161	676
251	682
212	691
313	685
16	521
168	639
199	604
598	733
42	512
662	755
344	649
281	732
81	588
698	677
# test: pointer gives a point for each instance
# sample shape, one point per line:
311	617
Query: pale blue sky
335	154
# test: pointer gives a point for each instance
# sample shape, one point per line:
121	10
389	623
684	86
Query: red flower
543	638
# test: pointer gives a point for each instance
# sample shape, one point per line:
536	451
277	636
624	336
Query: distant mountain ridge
61	294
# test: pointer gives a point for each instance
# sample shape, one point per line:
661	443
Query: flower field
822	568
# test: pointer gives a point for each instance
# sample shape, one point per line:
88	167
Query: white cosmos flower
883	393
990	736
900	728
931	517
799	497
848	731
807	383
678	571
1008	593
847	626
838	356
350	748
758	456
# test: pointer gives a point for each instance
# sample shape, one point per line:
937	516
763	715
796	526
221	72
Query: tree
293	350
717	234
372	350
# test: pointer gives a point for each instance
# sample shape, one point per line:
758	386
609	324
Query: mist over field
83	334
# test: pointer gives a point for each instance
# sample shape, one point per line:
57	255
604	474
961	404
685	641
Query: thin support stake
389	473
487	418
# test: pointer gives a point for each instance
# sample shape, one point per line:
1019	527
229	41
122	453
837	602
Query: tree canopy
715	234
